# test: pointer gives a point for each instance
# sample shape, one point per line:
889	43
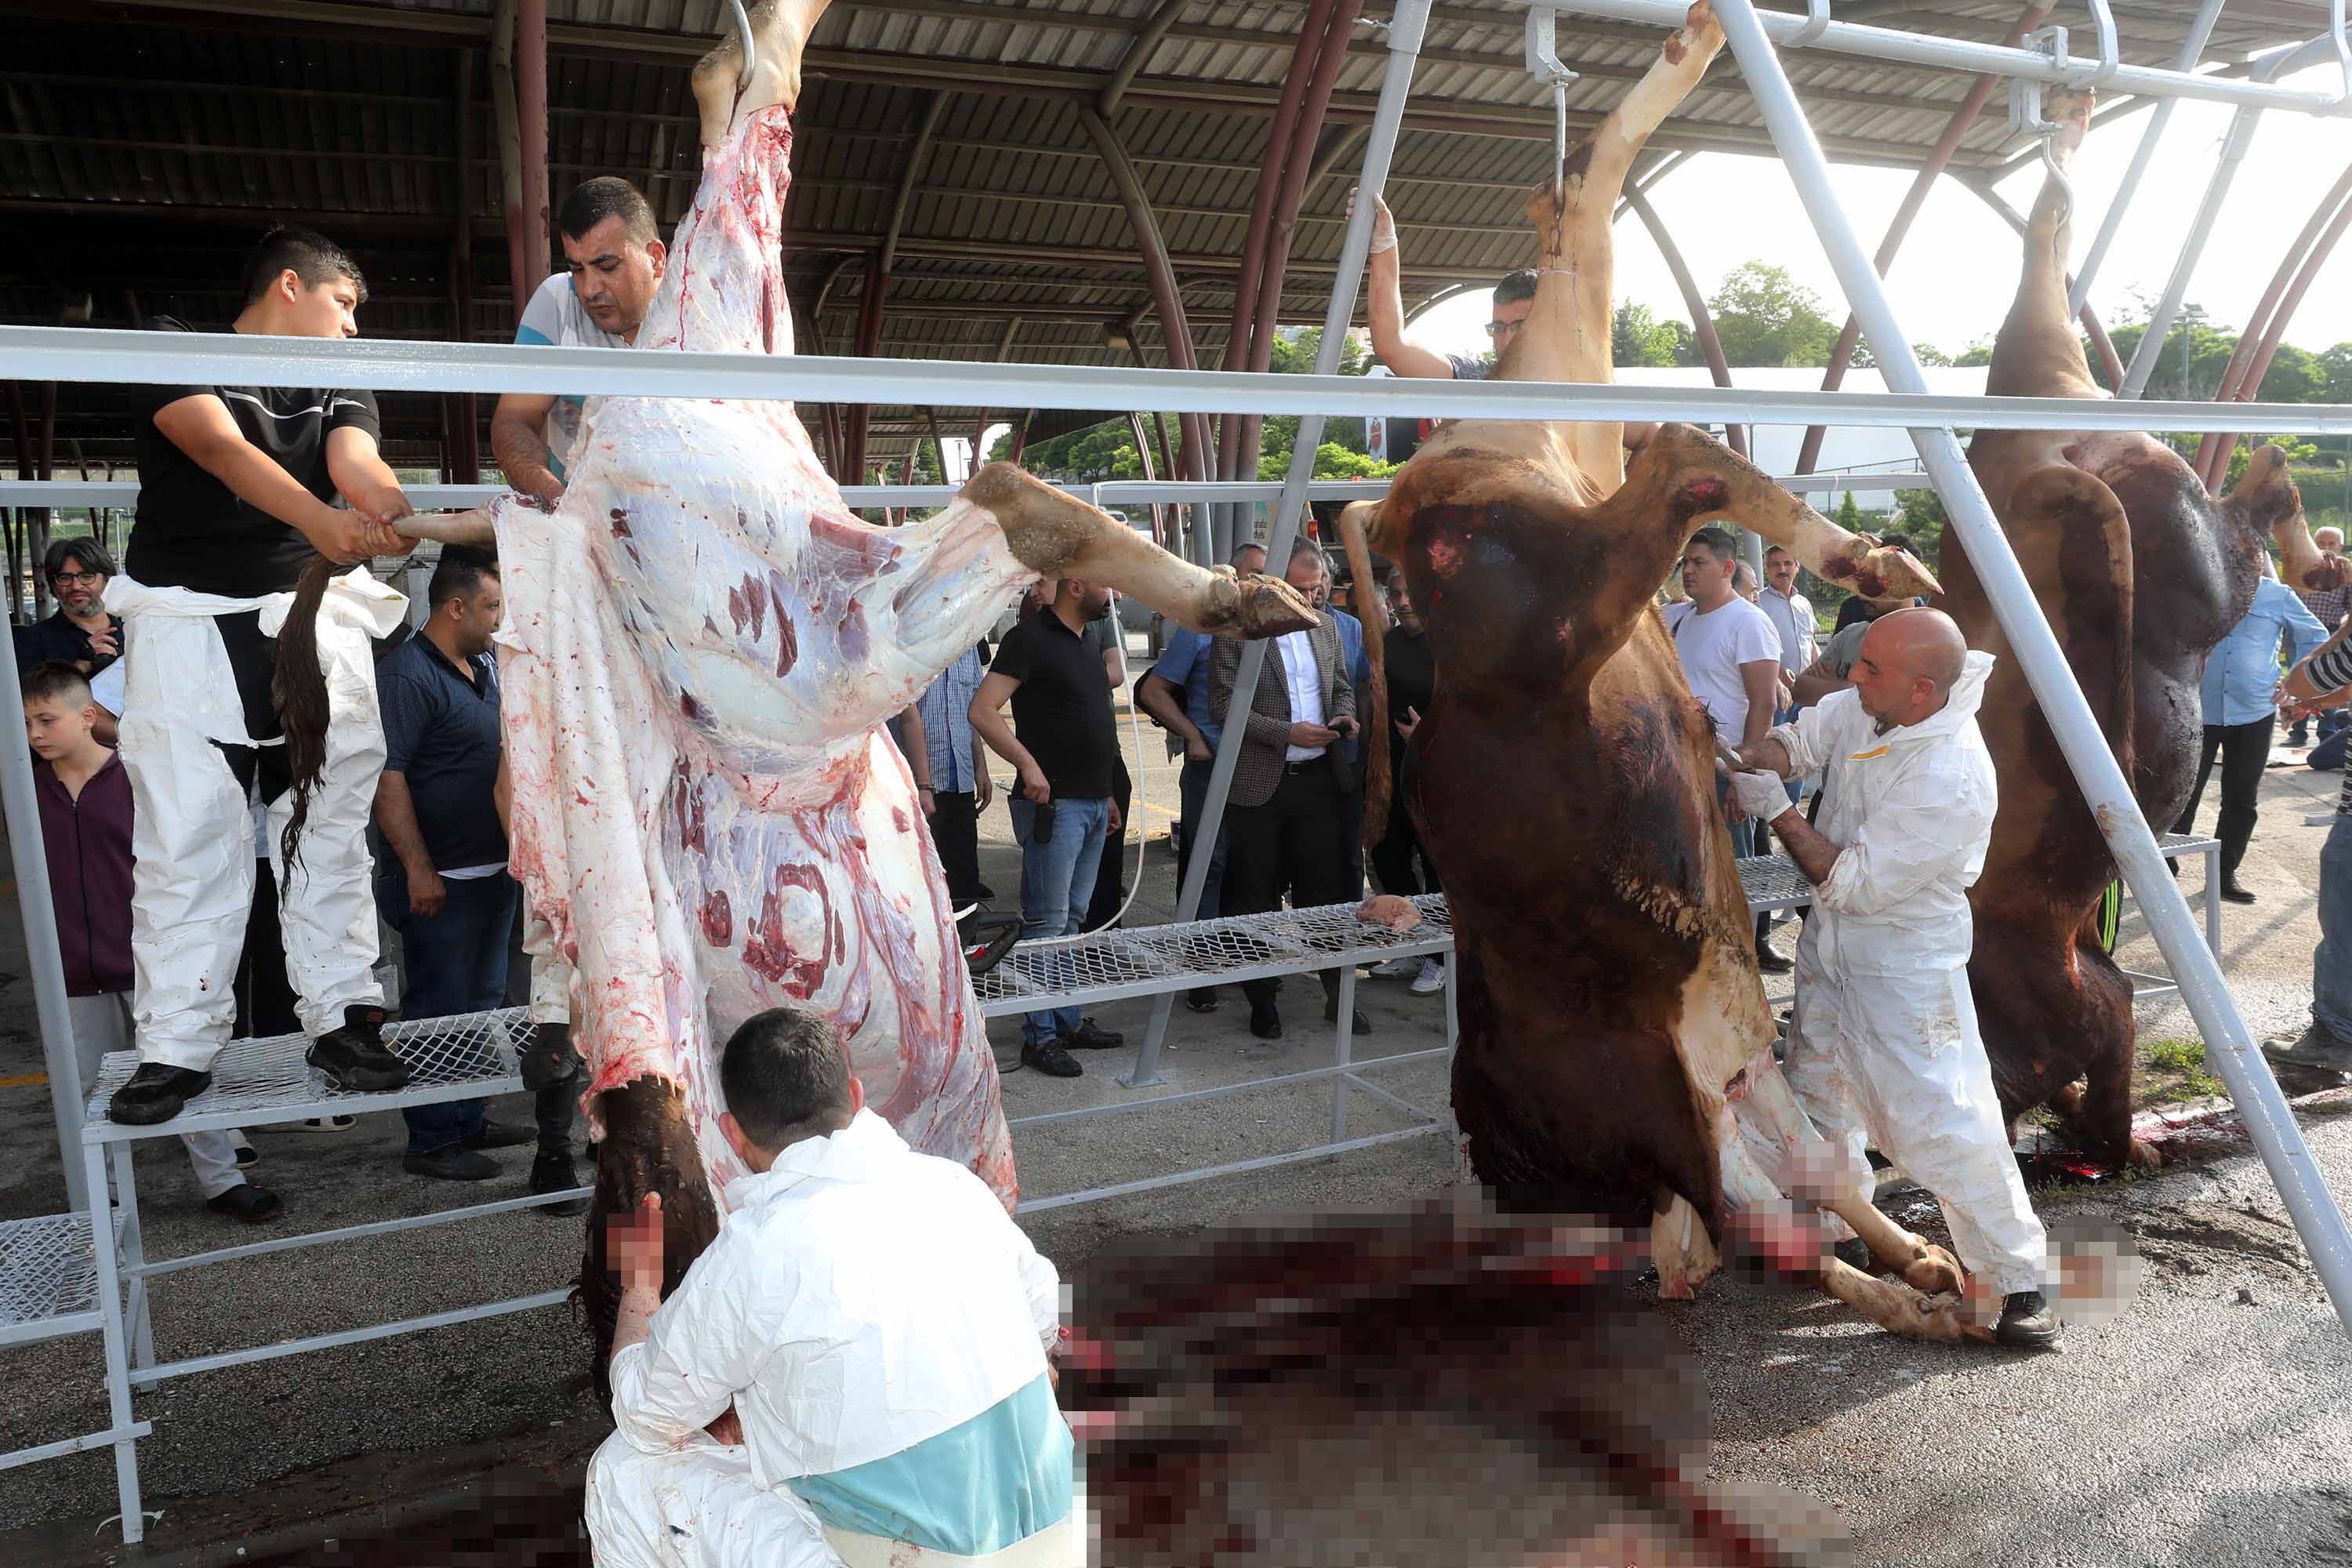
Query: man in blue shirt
446	891
2241	702
959	776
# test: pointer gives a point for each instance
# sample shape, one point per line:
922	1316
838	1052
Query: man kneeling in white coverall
1884	1046
854	1373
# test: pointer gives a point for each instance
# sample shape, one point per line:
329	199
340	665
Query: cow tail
1374	614
298	688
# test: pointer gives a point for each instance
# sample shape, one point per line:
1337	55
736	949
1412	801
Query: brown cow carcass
1616	1053
2141	573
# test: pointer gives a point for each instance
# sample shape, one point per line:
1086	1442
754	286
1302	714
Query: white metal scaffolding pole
1405	33
2192	47
2229	1046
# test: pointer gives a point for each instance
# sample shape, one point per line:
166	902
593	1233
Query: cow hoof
2144	1156
1932	1272
1259	607
2069	110
1388	909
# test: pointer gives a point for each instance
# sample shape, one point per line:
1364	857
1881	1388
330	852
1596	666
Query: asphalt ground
2208	1424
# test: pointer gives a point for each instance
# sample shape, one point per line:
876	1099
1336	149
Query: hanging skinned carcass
1616	1053
2141	573
700	644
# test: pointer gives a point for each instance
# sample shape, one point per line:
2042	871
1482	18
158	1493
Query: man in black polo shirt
234	499
1066	750
81	633
445	887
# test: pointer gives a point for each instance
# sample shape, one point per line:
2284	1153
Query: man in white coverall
1884	1046
236	486
854	1373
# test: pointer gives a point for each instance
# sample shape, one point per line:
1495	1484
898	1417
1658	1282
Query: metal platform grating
1110	964
259	1081
49	1278
1774	882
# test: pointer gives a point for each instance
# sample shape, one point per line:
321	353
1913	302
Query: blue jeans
1743	837
455	961
2331	963
1057	882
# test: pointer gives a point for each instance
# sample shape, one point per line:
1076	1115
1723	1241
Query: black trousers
1397	853
1111	886
955	831
1293	844
2245	750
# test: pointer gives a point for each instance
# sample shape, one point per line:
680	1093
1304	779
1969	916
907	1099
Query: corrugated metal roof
152	139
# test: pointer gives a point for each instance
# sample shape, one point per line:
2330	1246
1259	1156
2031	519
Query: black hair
1516	286
84	552
607	196
309	255
459	572
55	680
786	1077
1719	543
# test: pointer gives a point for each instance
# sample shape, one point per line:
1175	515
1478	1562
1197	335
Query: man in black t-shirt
235	491
1067	751
1411	675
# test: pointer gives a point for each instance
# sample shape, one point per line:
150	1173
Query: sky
1952	280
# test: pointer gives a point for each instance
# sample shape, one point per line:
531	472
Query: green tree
1978	352
1849	515
1332	461
1636	336
1766	317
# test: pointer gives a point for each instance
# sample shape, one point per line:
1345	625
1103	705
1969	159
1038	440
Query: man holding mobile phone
1064	746
1284	820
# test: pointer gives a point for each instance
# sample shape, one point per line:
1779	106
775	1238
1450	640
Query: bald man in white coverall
1884	1046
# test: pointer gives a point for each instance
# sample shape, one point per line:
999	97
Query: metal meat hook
2025	115
743	30
1543	61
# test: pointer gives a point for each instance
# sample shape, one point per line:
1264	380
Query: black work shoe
1090	1036
2317	1047
2235	893
1264	1021
1770	963
156	1092
553	1172
353	1056
254	1206
454	1163
2026	1321
548	1060
1047	1057
1362	1025
500	1135
1201	999
1855	1253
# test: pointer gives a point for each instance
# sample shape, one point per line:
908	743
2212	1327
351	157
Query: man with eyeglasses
81	633
1515	296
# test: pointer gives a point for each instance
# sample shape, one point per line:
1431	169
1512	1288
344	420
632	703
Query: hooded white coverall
193	834
1884	1046
879	1325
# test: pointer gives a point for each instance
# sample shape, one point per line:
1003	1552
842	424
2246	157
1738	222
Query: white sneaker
1430	980
1397	969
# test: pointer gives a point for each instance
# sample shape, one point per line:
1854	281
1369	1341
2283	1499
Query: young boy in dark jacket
86	814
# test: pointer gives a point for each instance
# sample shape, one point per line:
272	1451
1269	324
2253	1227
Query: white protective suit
860	1299
1884	1046
193	836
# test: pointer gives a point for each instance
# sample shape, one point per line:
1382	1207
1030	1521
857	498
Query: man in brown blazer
1284	819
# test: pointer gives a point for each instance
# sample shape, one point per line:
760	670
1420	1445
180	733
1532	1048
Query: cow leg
1566	336
1684	479
648	1146
1899	1308
780	31
2265	499
2038	352
1057	535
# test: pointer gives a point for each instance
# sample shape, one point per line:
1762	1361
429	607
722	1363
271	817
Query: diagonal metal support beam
909	175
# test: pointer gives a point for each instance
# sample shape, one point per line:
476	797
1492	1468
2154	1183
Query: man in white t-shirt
1730	651
613	258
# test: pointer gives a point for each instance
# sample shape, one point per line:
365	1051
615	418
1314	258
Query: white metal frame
87	355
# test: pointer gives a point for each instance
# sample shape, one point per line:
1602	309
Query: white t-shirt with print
1712	647
554	317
